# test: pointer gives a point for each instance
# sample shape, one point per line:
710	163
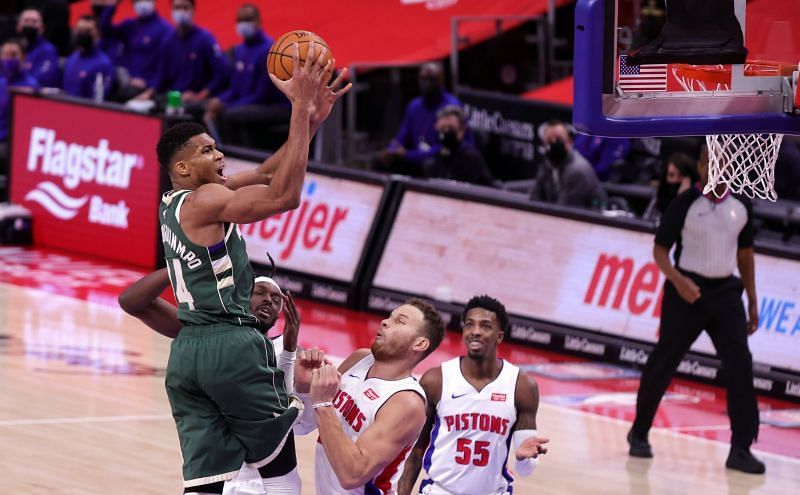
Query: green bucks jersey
212	284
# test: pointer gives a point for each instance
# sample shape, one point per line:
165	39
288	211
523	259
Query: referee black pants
721	313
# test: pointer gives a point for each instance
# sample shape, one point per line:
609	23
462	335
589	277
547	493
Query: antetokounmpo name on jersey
187	255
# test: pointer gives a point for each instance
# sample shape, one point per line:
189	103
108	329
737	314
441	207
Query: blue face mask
144	8
182	17
246	29
11	67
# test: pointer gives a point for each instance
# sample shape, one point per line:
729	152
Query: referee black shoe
640	447
741	459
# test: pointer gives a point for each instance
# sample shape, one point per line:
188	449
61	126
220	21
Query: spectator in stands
679	175
113	48
565	177
457	159
12	75
602	152
193	61
55	15
251	97
417	140
87	61
41	57
142	38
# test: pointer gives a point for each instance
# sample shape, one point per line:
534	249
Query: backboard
690	67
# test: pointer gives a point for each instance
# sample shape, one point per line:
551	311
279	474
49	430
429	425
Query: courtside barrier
574	281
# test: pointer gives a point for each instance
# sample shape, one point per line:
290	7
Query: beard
264	326
387	351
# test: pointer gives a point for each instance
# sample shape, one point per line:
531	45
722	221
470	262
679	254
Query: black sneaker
640	447
741	459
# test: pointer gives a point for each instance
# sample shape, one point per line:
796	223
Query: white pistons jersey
357	403
469	445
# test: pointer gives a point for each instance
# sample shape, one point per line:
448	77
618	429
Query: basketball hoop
745	163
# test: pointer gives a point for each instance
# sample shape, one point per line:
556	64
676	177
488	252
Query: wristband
322	404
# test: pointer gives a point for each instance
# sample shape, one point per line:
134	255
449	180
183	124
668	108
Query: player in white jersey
476	405
370	412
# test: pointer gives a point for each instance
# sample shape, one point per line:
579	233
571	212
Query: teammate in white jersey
476	405
370	412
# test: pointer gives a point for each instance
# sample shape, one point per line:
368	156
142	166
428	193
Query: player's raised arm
142	300
397	425
431	383
324	99
213	202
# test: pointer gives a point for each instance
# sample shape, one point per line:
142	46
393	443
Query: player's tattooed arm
431	382
142	300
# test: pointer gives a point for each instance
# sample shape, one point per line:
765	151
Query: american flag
641	78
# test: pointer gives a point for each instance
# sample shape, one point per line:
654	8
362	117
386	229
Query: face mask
30	33
556	152
144	9
246	29
182	17
449	139
428	87
84	41
11	67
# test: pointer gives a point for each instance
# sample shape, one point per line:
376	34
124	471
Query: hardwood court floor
83	410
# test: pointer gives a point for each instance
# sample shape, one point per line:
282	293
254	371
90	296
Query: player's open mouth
219	172
264	312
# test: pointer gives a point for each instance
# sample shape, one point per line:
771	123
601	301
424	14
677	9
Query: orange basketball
280	61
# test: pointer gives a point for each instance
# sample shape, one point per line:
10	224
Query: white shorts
249	482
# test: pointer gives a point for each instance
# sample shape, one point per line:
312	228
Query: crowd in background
145	61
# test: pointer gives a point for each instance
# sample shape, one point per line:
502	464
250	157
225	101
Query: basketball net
745	163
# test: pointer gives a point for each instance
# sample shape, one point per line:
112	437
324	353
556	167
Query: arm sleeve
524	467
286	361
308	420
748	232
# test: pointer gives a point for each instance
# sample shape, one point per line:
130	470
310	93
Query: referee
712	237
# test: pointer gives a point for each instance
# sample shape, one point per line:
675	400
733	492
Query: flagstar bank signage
568	272
90	176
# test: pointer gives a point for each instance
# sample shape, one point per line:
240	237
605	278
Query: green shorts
229	401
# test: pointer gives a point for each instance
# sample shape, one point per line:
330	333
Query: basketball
280	61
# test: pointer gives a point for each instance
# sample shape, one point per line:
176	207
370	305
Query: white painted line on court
84	419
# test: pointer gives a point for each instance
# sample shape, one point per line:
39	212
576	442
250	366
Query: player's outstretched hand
532	447
307	361
307	79
324	383
291	325
329	94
